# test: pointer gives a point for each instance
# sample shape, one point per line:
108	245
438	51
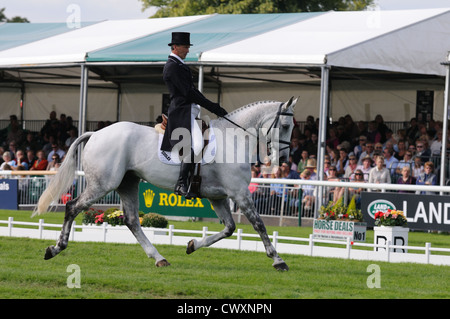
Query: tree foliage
173	8
3	17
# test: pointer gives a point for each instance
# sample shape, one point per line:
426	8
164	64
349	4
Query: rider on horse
184	105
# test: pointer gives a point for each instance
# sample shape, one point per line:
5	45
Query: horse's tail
63	179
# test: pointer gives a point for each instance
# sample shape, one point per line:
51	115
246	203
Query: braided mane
250	105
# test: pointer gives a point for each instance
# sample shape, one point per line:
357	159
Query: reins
273	125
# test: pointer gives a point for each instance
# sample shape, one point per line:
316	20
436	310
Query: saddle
195	178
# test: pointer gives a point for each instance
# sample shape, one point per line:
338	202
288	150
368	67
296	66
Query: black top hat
182	38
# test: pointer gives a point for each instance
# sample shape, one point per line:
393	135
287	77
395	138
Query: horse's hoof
49	252
162	263
190	247
281	266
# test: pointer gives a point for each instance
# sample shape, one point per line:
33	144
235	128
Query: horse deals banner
423	212
8	194
153	199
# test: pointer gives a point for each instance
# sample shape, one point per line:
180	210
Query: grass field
123	271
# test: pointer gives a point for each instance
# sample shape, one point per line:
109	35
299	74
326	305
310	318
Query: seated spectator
334	193
368	152
73	134
31	157
342	162
366	167
373	135
301	165
351	167
311	166
55	150
276	192
423	151
406	161
361	147
389	160
417	167
356	191
7	162
400	150
308	198
41	162
326	168
436	145
406	178
287	172
55	163
379	174
20	162
30	143
427	177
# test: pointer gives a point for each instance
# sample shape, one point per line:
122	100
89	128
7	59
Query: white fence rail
283	244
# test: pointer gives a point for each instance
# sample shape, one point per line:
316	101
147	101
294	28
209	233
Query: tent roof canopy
276	47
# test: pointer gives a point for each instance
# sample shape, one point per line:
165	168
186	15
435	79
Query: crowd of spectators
365	152
43	150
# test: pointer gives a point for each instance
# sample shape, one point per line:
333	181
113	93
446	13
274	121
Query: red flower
99	218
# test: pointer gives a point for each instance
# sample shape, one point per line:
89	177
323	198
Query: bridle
273	125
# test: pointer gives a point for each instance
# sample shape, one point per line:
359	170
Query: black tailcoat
178	78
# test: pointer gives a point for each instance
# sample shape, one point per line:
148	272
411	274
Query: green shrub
154	220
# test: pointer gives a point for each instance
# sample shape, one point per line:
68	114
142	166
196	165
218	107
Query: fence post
73	230
300	193
171	227
105	224
41	228
349	247
427	252
311	244
275	239
388	244
280	223
10	225
239	238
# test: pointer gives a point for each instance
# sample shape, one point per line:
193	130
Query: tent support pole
119	103
445	123
82	120
200	78
324	95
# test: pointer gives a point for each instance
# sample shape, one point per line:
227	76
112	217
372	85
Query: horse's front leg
222	210
246	205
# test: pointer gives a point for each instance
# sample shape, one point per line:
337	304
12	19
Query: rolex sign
153	199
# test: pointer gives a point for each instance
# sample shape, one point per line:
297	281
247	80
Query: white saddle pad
172	158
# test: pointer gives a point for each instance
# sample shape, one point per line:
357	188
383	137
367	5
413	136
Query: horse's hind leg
129	194
222	209
73	208
248	208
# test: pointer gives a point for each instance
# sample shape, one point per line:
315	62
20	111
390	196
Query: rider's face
181	50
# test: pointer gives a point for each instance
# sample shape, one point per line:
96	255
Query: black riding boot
182	186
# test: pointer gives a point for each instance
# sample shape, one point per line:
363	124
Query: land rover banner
423	212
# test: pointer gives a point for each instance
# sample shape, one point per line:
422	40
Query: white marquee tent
373	61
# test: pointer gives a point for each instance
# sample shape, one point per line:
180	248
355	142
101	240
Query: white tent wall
395	102
237	95
10	102
41	99
143	102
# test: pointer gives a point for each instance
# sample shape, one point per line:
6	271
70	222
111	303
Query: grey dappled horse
120	155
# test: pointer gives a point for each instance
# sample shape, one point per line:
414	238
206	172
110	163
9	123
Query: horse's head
280	131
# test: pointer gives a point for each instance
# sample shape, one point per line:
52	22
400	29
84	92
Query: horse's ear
290	103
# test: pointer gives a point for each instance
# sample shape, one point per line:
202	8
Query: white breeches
196	131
